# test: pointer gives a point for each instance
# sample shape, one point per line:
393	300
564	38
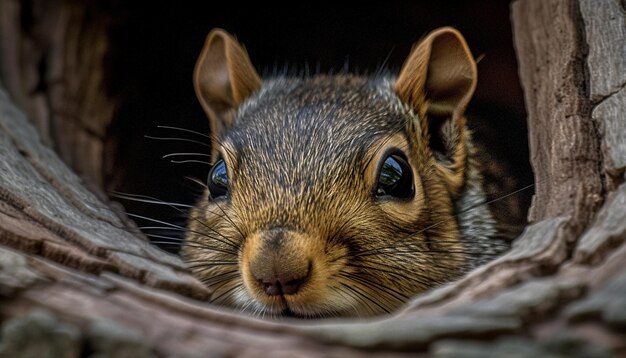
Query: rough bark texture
53	64
74	281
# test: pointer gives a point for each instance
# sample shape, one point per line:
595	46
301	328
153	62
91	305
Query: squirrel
338	195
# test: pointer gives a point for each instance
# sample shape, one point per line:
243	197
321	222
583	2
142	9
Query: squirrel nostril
281	286
271	287
292	286
285	283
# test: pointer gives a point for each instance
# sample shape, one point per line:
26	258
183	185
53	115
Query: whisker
146	199
204	245
153	220
178	139
196	244
226	240
399	296
225	293
205	264
186	154
355	297
197	181
171	240
185	130
201	234
477	206
463	240
416	277
439	252
229	219
346	297
499	198
165	228
365	296
389	272
228	275
189	161
407	248
231	243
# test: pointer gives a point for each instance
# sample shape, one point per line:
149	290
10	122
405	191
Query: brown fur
303	157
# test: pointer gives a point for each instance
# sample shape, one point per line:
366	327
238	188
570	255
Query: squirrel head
331	195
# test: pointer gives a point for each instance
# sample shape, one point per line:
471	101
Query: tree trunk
50	75
75	281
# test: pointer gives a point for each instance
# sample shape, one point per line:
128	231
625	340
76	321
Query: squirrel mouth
289	313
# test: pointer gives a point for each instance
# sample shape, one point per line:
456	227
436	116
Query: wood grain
75	280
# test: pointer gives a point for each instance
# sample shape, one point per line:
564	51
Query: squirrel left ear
223	78
437	80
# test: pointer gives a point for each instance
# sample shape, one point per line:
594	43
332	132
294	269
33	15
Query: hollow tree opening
109	74
565	272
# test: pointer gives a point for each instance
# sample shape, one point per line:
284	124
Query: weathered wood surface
53	64
564	140
605	34
73	280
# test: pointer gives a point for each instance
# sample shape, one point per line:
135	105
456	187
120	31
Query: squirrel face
334	195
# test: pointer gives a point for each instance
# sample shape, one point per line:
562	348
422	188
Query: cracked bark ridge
564	141
75	281
605	29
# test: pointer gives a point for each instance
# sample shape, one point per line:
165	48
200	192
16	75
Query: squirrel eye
218	180
395	178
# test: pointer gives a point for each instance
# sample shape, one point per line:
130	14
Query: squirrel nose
278	266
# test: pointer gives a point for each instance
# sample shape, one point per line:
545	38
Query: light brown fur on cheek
212	249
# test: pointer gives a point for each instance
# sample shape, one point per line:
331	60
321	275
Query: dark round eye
395	178
218	180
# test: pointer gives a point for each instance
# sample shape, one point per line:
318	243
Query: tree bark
74	279
54	66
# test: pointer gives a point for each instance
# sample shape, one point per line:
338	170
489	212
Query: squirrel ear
223	78
437	81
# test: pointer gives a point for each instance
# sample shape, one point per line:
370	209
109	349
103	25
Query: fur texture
300	228
299	149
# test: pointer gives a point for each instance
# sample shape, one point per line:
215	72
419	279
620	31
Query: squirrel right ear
437	80
223	78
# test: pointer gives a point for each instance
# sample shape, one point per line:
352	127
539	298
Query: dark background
154	47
